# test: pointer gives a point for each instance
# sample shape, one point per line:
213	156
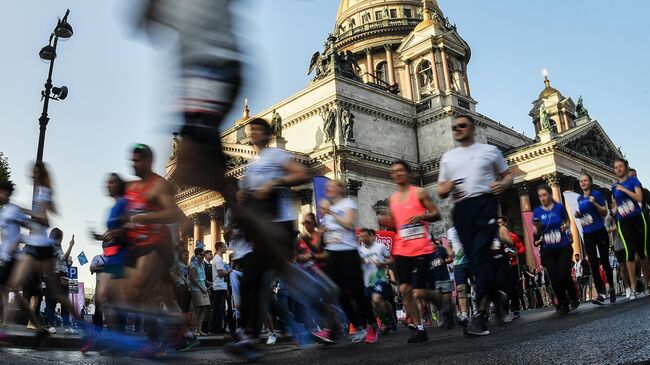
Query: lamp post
62	30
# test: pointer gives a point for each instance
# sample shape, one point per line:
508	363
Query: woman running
592	208
39	255
632	225
551	223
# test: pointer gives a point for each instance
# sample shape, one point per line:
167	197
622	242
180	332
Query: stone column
553	180
409	84
465	80
389	63
524	206
445	68
215	225
370	66
434	68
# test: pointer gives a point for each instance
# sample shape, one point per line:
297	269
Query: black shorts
5	271
413	270
634	235
38	252
164	253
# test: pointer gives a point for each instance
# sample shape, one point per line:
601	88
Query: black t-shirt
439	270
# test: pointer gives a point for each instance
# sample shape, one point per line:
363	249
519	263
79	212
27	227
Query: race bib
411	232
626	208
553	237
333	237
437	263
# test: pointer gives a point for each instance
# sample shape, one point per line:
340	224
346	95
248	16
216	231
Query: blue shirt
626	207
117	214
552	236
591	219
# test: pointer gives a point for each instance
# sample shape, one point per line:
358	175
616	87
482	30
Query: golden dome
548	90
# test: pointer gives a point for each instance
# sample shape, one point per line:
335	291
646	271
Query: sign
73	273
82	259
386	238
319	193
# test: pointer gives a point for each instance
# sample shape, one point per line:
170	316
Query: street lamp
63	30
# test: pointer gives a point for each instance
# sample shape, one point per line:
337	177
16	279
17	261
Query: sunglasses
459	126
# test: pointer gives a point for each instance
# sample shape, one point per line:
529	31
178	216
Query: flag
82	259
319	193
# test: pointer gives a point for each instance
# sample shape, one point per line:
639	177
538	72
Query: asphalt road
610	334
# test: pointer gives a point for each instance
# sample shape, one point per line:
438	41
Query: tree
5	172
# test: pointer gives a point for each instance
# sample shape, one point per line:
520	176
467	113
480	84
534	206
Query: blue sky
119	81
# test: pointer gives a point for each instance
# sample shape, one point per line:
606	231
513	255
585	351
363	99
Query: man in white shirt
219	288
474	174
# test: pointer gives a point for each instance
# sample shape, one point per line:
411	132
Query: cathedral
386	85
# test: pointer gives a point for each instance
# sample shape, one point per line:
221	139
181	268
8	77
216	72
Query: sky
120	80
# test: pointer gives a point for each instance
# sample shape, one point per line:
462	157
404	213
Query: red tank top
410	239
137	203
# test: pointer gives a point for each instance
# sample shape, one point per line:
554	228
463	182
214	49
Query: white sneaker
51	330
628	293
633	295
71	331
359	335
273	338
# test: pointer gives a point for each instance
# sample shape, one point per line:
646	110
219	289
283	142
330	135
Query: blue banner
319	193
82	259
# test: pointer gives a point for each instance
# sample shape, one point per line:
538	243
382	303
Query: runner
551	224
460	276
39	252
592	209
632	224
375	258
12	219
440	284
343	264
474	174
513	252
411	211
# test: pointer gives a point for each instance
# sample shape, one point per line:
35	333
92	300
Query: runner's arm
433	212
637	194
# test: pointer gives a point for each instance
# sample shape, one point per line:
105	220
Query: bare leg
631	274
410	304
19	277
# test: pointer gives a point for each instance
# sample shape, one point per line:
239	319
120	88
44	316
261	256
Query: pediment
592	142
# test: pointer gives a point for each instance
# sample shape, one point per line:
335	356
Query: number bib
553	237
586	220
412	232
626	208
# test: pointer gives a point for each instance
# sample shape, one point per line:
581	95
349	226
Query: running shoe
574	304
600	300
418	336
40	337
477	326
272	339
188	344
372	335
245	349
612	296
70	331
463	320
88	345
563	310
633	295
51	330
324	336
628	293
516	315
359	335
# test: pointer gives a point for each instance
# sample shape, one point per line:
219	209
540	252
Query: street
592	335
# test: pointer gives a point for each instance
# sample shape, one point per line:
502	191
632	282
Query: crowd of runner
332	283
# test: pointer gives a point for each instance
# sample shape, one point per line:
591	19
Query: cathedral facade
387	85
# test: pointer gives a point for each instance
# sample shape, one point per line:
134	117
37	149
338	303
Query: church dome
549	90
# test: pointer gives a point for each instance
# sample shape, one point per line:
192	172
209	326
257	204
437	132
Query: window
408	13
393	13
424	74
378	15
381	73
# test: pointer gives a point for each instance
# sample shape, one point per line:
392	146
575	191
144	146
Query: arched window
424	74
381	73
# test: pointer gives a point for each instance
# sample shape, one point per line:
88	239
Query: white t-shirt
38	232
239	246
370	256
11	218
218	282
270	165
473	169
336	237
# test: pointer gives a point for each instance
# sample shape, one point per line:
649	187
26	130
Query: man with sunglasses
474	174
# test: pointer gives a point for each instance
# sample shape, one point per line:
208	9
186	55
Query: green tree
5	172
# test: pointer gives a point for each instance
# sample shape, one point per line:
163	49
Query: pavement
608	334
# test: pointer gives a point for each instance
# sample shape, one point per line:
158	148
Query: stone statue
385	14
420	12
365	17
276	124
581	111
329	124
544	119
342	63
347	123
352	23
233	162
402	11
175	142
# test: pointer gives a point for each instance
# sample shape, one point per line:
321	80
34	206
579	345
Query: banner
319	193
529	231
572	205
82	259
384	237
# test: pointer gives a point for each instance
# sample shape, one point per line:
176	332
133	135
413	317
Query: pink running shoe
372	335
324	335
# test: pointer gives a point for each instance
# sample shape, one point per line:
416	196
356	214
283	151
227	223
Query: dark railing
379	24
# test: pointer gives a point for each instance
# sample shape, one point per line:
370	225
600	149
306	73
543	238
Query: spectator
219	289
199	291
